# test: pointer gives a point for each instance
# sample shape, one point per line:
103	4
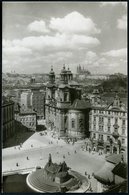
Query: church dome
63	71
52	72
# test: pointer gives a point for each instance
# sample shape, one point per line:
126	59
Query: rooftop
116	158
120	170
80	104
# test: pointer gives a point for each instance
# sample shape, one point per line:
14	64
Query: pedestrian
75	151
85	173
27	158
63	156
89	176
17	164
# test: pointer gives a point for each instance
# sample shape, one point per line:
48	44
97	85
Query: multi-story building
28	118
65	111
26	99
7	118
38	101
105	123
108	125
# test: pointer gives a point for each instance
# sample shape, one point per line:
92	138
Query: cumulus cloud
74	23
91	55
16	50
116	53
59	41
38	26
122	22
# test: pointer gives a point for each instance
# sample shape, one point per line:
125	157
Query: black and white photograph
64	97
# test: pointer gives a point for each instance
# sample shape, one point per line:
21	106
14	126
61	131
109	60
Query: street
28	156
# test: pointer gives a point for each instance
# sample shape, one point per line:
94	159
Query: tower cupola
51	76
63	75
69	74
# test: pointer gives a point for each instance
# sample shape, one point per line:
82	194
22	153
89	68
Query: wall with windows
76	123
108	124
28	120
8	128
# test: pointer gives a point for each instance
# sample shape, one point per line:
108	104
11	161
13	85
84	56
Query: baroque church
65	111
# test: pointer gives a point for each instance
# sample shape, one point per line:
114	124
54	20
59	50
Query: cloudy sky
37	35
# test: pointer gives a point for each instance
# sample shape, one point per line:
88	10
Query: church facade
65	111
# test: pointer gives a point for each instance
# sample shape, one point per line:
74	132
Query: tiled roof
6	101
116	158
80	104
73	83
63	86
105	175
120	170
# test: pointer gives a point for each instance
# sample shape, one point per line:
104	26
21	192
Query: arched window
73	123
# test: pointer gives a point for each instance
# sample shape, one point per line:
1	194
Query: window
116	120
102	128
123	141
123	122
109	120
94	118
81	123
123	131
123	113
94	111
94	127
108	129
73	123
101	137
108	112
108	138
102	119
94	135
65	97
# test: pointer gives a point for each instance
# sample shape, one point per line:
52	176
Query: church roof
80	104
71	82
61	86
53	168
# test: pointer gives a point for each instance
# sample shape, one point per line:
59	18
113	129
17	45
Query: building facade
38	102
26	99
66	112
8	126
28	119
108	125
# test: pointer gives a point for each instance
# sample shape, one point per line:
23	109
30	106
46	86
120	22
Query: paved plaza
34	152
